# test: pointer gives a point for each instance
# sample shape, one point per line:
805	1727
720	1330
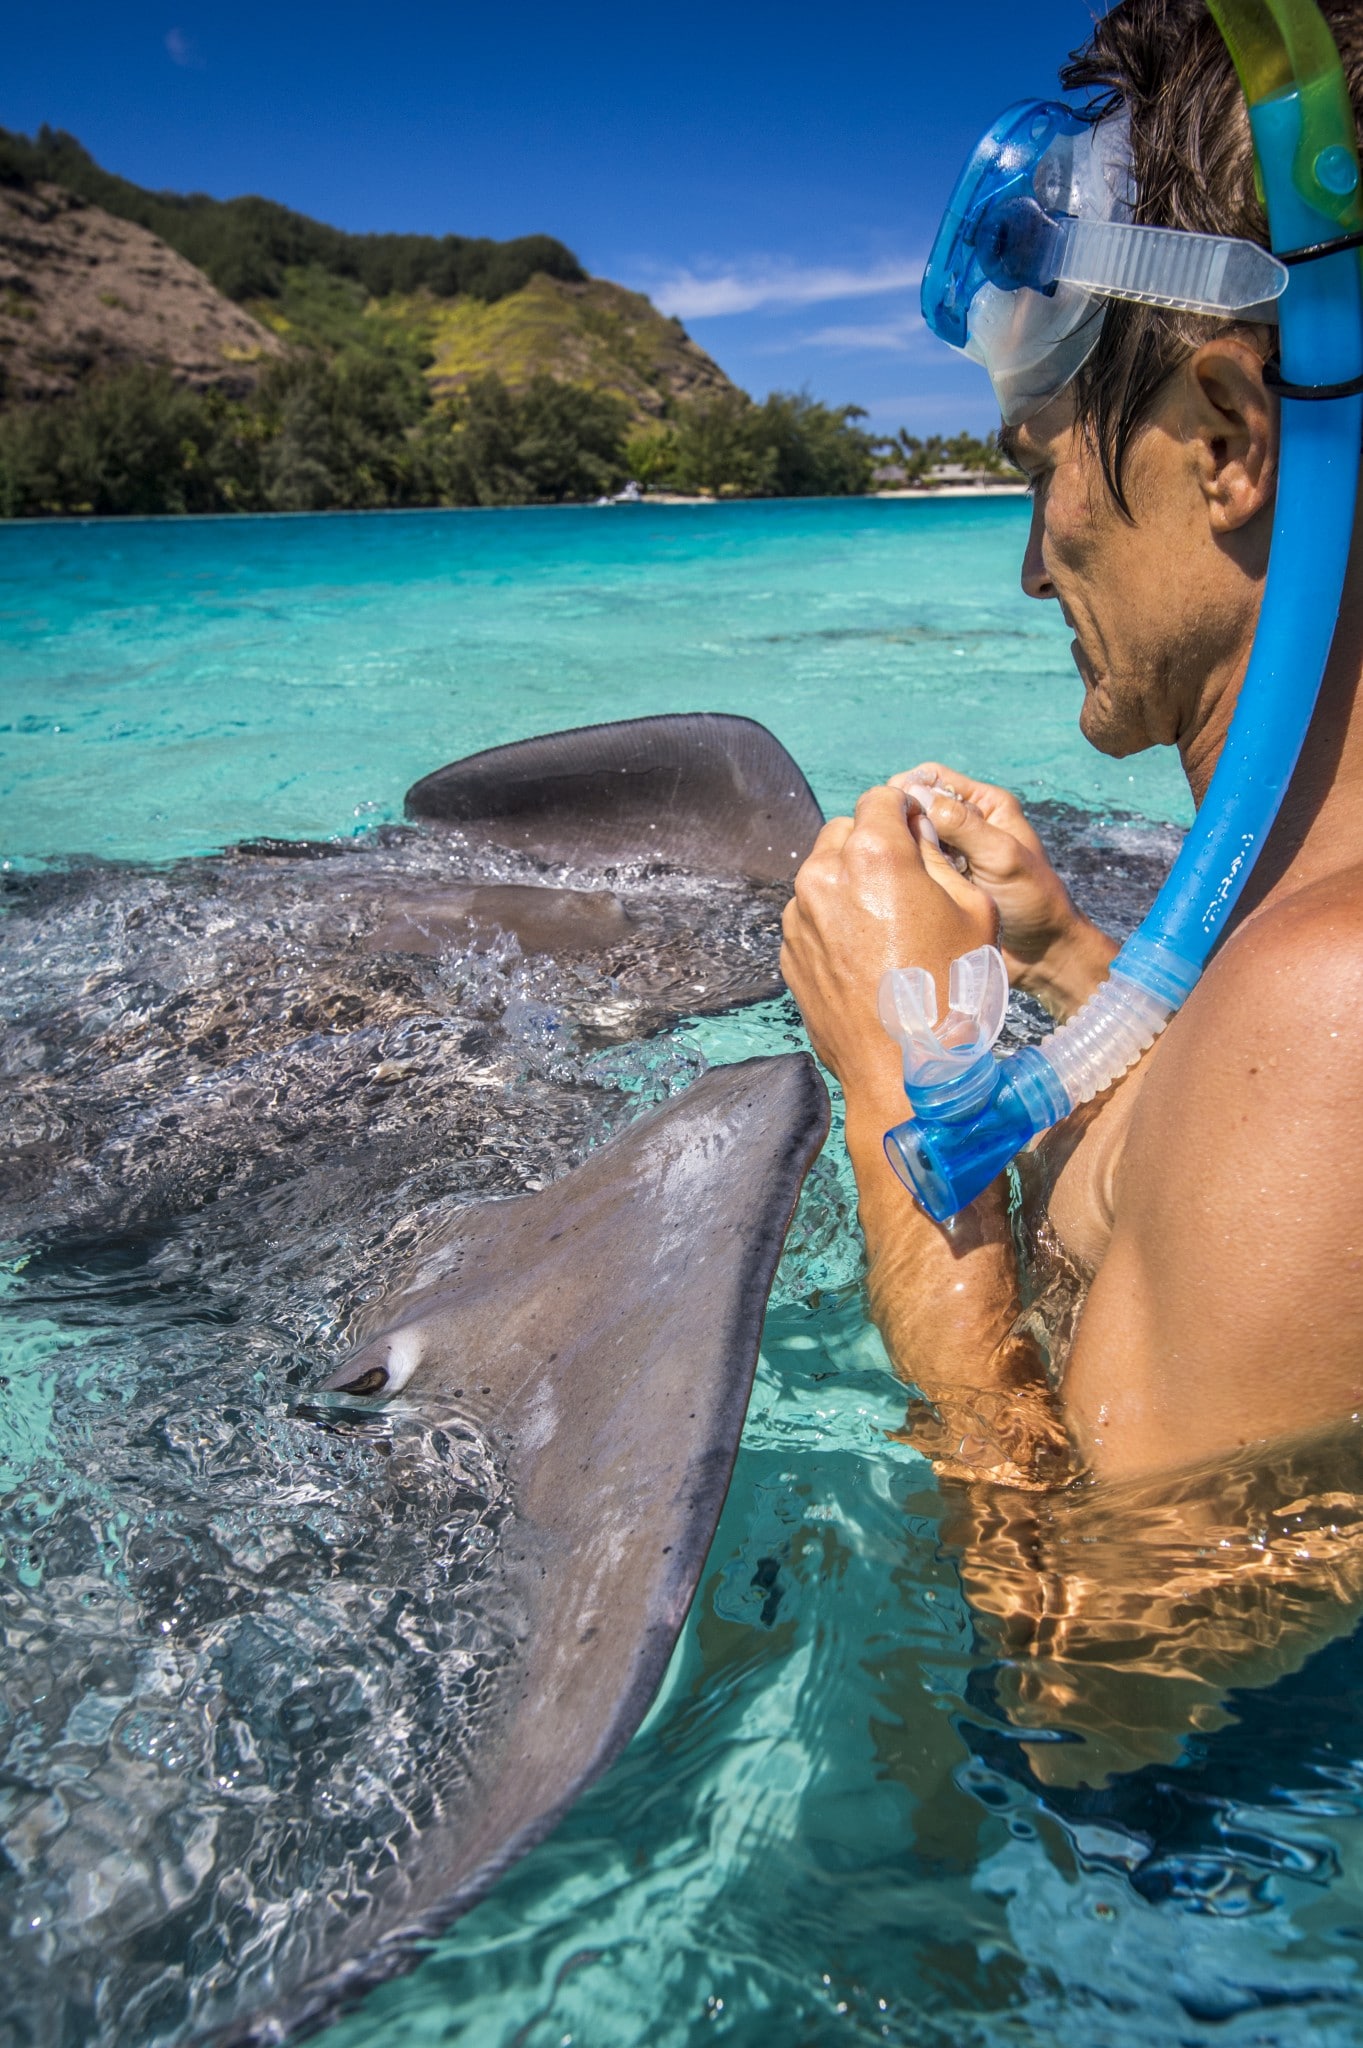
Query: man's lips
1078	657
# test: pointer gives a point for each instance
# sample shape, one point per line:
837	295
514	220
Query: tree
552	442
131	443
789	446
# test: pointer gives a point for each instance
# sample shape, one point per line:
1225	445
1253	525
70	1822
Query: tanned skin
1178	1509
1215	1196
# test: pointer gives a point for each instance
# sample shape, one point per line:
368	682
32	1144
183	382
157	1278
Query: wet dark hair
1194	164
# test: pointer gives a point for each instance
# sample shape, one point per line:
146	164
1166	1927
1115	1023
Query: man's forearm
946	1301
1073	966
943	1298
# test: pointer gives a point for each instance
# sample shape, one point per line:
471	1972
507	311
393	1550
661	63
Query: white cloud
896	337
182	51
904	335
744	290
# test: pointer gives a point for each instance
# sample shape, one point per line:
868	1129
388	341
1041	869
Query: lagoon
827	1830
170	685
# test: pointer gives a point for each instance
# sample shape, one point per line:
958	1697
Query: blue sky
771	174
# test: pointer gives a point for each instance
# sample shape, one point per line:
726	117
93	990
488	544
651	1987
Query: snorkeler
1178	401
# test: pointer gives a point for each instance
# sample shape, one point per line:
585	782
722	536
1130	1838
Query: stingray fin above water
700	790
603	1333
220	1020
713	796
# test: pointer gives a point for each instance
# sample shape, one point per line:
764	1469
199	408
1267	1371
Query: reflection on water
833	1827
1123	1614
1170	1724
931	1766
935	1763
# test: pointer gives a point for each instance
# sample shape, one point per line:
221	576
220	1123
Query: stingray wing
605	1332
700	790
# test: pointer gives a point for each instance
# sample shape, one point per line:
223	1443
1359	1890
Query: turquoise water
827	1829
172	685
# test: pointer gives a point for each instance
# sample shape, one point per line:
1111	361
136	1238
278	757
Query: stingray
705	791
701	794
174	1031
293	1674
268	1778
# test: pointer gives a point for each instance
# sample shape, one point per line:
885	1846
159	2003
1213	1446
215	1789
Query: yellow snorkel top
1284	46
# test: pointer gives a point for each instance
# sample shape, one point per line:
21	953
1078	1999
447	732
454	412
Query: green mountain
591	333
247	246
161	353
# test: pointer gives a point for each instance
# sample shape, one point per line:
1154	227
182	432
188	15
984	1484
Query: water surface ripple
930	1766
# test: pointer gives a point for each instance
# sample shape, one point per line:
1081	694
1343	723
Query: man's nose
1035	580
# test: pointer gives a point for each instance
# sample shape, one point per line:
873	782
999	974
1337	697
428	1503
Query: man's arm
945	1299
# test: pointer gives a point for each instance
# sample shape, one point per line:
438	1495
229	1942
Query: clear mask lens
1038	237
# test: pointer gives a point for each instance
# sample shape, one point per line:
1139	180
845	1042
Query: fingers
884	840
993	853
998	805
832	838
867	851
882	809
819	868
826	853
880	829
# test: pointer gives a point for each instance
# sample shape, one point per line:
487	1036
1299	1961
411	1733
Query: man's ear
1233	424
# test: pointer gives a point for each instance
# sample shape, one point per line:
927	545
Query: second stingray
179	1030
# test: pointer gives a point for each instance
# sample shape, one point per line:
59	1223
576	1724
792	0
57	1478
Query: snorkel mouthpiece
945	1159
952	1080
972	1111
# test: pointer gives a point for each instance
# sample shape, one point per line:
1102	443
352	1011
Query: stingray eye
372	1382
401	1354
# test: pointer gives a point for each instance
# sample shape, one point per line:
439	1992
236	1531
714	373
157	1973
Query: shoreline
1006	490
53	519
958	491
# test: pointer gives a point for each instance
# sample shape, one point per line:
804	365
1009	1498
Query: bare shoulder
1316	932
1284	993
1247	1132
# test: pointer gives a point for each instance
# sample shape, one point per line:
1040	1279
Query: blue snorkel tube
973	1111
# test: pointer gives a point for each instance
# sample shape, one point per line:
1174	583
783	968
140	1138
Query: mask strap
1275	380
1314	252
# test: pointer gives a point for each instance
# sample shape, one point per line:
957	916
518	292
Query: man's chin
1104	733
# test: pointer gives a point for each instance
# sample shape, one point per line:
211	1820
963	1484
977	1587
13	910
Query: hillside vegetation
595	333
298	368
247	246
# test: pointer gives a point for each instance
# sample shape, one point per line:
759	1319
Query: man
1214	1198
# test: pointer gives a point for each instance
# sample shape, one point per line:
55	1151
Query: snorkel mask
1037	238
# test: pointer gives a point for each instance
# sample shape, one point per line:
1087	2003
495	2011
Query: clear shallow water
828	1829
169	686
